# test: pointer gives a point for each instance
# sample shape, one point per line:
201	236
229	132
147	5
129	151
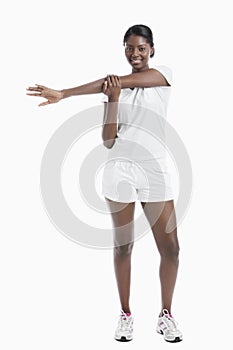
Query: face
137	52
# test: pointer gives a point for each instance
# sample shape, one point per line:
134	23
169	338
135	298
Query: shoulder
165	71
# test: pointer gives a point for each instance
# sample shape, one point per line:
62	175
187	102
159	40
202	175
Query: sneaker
124	331
168	327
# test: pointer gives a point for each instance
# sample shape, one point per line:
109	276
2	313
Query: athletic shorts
127	181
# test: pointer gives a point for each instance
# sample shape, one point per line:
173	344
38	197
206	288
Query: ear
152	51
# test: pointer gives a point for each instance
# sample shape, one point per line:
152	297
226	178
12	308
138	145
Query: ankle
165	311
126	310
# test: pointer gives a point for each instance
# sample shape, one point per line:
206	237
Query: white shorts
126	181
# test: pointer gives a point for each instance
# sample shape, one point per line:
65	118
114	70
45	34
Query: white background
56	294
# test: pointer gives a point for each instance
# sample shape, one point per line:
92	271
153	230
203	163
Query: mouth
135	61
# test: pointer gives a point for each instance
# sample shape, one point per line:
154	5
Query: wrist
67	93
113	99
62	93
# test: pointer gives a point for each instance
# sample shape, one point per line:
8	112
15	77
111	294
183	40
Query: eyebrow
138	45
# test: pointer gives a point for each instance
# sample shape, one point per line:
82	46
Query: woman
130	101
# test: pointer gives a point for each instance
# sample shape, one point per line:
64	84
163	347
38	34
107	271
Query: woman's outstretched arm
148	78
54	96
94	87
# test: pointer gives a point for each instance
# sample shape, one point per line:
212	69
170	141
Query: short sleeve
166	72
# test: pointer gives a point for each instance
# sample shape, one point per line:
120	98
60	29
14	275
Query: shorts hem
117	199
157	200
139	199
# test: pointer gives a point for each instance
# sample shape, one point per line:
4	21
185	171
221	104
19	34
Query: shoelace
125	321
169	321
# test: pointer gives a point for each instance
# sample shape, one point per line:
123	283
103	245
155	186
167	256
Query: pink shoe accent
167	313
126	313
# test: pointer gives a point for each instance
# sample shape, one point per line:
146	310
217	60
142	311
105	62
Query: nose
135	52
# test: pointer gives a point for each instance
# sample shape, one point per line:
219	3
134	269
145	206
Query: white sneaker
124	331
168	327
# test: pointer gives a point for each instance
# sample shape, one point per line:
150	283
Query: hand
52	96
112	87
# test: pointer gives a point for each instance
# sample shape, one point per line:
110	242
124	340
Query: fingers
34	95
105	86
41	86
44	103
37	88
30	88
40	91
112	81
117	81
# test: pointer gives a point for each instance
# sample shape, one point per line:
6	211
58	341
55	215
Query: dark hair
142	30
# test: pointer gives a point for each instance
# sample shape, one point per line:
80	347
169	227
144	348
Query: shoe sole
123	339
176	340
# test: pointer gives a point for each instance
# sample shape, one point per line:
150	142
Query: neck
135	70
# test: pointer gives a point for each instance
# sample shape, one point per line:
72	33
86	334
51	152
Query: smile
135	61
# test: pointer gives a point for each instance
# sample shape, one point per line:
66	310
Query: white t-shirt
141	121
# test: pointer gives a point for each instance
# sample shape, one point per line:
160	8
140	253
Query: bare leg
168	247
122	217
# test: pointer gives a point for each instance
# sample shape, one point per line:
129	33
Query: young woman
145	89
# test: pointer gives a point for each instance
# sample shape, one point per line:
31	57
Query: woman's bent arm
112	88
110	126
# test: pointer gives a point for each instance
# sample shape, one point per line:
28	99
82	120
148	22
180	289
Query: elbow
109	135
109	143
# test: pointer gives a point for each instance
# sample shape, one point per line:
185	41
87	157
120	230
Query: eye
142	49
128	48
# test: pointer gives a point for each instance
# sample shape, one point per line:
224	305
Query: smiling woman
134	112
139	45
135	108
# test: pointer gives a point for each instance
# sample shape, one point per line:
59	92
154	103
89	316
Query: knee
170	251
123	250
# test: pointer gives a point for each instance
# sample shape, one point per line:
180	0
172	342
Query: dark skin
167	245
137	52
145	77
